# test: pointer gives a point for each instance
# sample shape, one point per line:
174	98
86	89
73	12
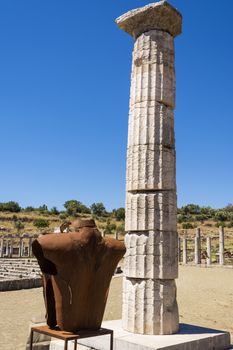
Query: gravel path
205	298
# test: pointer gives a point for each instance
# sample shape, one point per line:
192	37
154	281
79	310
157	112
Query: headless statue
77	269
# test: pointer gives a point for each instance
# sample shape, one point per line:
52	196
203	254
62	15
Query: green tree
229	208
74	207
11	206
119	214
54	211
221	215
43	209
98	209
190	209
29	208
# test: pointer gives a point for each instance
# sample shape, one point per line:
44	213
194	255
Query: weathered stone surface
151	255
149	306
153	74
151	211
151	123
160	15
151	261
150	168
189	338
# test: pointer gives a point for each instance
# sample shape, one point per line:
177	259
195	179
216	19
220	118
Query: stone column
185	256
30	247
198	246
7	248
221	245
151	261
116	234
179	249
208	250
11	248
1	247
20	247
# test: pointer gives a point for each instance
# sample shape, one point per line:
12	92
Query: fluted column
151	261
1	247
30	247
221	246
208	249
185	252
7	248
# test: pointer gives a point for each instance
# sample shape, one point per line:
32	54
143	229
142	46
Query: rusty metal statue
77	269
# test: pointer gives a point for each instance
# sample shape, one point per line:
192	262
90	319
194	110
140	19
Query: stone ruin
151	261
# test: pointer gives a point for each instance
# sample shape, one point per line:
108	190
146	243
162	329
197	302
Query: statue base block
189	338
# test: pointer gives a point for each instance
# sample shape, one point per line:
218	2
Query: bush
220	223
187	225
201	217
121	228
110	227
18	225
63	216
41	223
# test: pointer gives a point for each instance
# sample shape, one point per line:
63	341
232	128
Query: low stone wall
18	274
16	284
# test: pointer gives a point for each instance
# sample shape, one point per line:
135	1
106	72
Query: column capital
159	15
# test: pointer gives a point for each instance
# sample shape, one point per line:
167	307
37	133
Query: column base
189	337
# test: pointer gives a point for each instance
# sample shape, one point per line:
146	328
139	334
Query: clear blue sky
64	92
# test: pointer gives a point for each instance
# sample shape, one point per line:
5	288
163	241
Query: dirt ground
205	298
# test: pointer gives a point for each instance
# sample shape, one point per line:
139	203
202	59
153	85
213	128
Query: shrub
187	225
220	223
41	223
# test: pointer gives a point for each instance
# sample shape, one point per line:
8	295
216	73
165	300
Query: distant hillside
15	219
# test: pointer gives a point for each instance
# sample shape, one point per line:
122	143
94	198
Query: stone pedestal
151	261
189	338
